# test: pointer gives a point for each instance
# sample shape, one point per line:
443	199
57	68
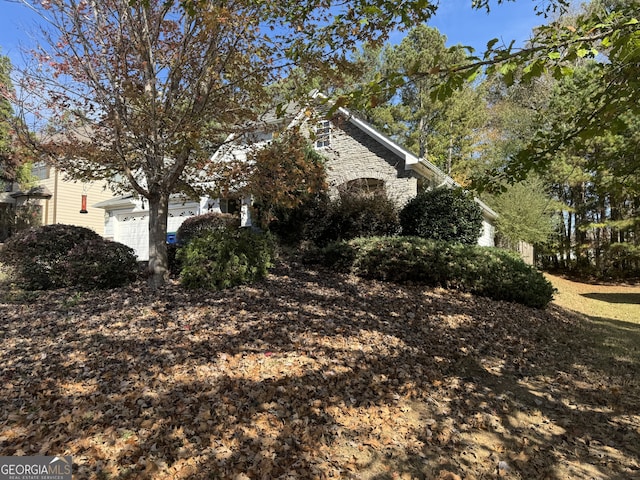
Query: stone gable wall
354	154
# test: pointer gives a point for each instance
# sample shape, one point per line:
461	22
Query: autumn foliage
285	174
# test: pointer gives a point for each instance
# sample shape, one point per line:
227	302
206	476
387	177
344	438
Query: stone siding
354	154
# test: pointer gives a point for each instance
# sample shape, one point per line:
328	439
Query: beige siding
65	203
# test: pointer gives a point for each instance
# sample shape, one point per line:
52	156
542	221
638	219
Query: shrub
194	226
294	225
55	256
36	255
447	214
100	263
355	214
220	259
485	271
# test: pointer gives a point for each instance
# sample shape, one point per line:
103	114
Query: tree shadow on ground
314	375
627	298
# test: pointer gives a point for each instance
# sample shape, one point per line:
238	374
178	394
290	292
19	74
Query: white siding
488	234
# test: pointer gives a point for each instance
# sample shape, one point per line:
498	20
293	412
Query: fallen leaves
307	375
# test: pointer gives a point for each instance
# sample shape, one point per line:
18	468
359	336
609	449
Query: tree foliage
285	174
595	178
9	161
442	130
526	213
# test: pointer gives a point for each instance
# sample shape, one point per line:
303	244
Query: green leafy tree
526	213
8	160
595	177
442	130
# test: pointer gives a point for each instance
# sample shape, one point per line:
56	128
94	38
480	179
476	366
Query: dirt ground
309	374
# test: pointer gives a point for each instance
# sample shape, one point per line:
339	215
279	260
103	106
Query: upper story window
323	134
41	170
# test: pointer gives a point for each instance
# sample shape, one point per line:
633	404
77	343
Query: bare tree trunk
158	259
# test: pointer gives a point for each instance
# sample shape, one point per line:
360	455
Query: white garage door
133	231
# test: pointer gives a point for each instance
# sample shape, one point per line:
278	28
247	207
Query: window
368	187
41	171
323	134
229	205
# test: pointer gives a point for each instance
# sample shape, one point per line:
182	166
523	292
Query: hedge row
489	272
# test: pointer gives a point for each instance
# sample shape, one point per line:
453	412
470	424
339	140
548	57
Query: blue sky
508	21
455	19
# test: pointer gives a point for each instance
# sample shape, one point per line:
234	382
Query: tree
441	130
526	213
285	174
8	160
604	34
595	178
144	91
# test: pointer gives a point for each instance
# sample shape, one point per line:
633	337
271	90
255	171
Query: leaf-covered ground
313	375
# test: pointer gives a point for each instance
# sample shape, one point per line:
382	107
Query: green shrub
36	255
194	226
55	256
447	214
484	271
294	225
220	259
355	214
100	263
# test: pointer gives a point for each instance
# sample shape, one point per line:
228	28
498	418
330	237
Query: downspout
55	198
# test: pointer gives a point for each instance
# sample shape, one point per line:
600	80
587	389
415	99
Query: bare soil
309	374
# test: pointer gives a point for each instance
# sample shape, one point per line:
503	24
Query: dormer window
323	134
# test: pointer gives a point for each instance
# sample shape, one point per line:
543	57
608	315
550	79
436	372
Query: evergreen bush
484	271
54	256
194	226
36	254
100	264
447	214
220	259
355	214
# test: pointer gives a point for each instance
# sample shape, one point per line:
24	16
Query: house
55	199
356	153
126	218
71	202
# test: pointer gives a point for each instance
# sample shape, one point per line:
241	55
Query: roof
39	191
122	201
412	162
